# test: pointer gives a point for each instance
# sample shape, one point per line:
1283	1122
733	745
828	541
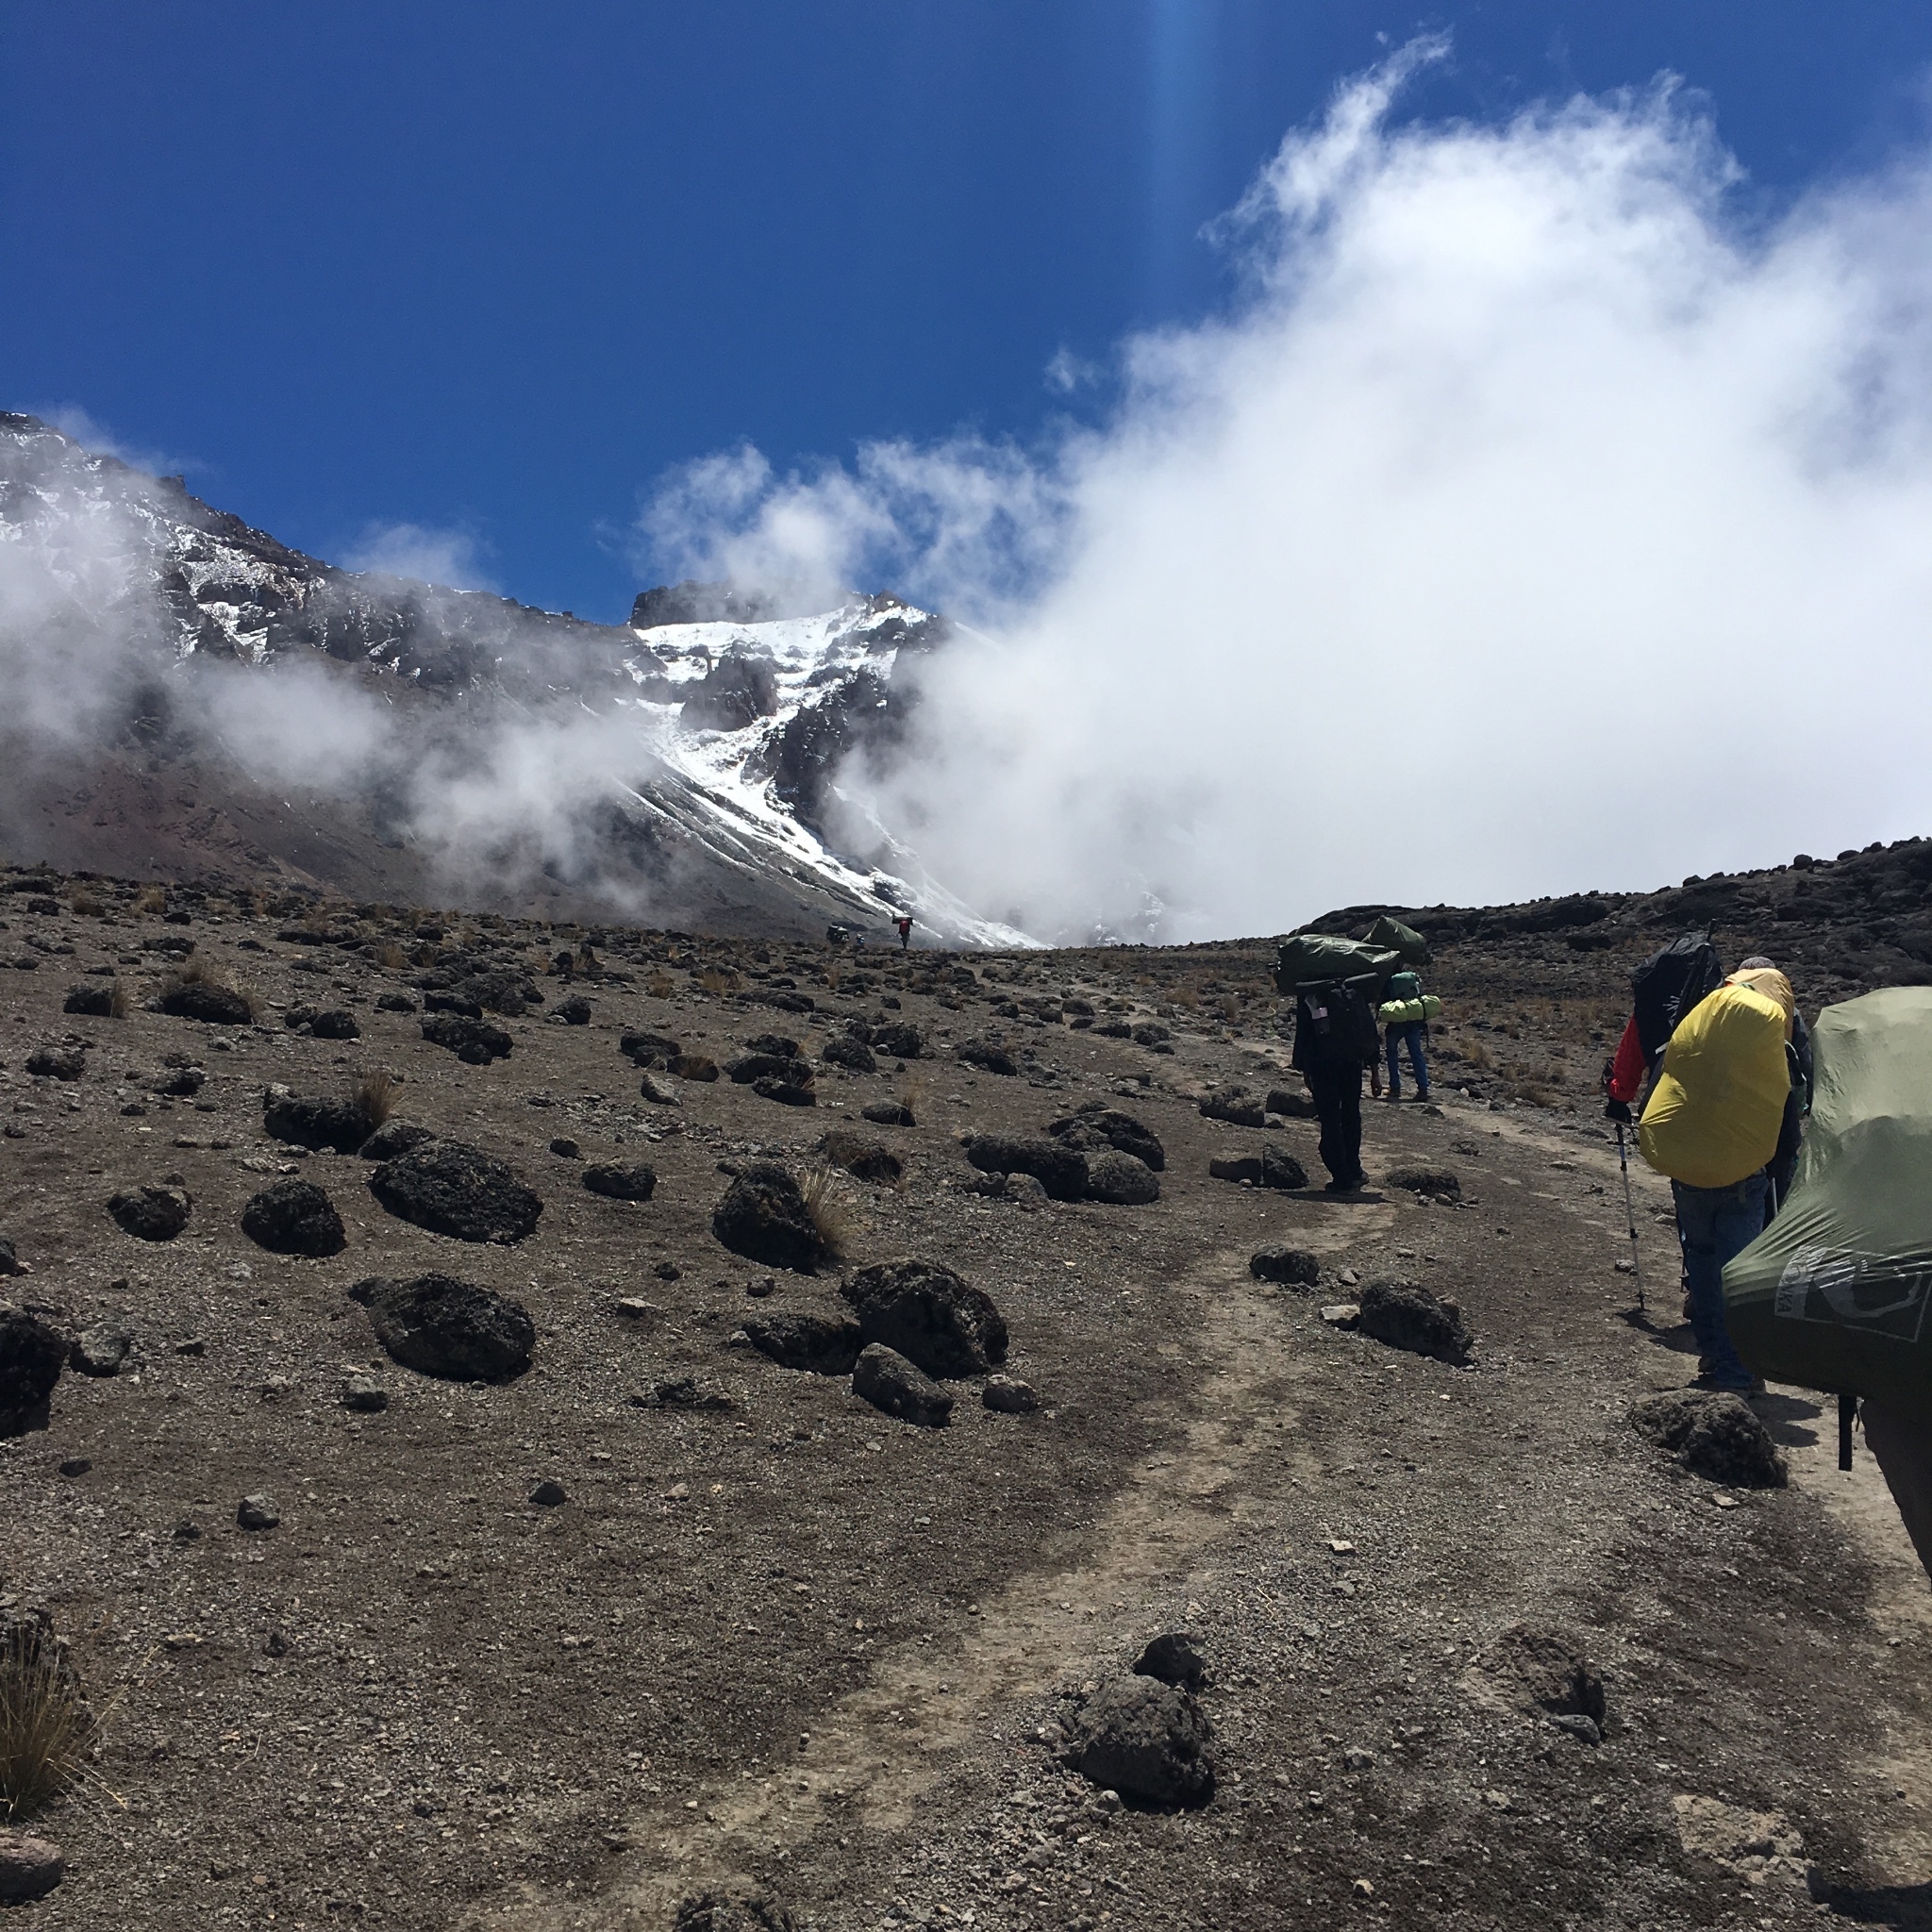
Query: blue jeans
1414	1033
1715	1226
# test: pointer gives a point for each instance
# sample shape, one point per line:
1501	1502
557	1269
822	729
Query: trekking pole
1630	1215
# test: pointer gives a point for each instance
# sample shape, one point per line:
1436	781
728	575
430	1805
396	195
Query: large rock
621	1180
1060	1169
32	1354
1174	1658
746	1068
793	1089
887	1113
475	1042
449	1188
650	1049
95	999
213	1006
1096	1126
394	1138
867	1161
441	1326
887	1380
102	1349
823	1343
311	1120
323	1023
899	1041
988	1056
1281	1170
57	1062
1236	1106
1292	1267
9	1257
1145	1739
1121	1179
151	1214
1423	1180
1290	1104
929	1315
30	1868
763	1217
1405	1315
842	1050
295	1217
1715	1435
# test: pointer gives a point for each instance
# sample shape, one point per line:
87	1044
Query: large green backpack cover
1835	1294
1390	932
1312	958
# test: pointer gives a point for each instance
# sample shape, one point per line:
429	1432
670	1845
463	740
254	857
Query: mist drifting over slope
1534	522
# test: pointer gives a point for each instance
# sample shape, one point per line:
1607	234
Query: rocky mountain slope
463	745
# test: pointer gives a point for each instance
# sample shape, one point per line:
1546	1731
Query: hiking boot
1354	1187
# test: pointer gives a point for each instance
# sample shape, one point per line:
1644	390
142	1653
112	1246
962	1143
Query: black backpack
1335	1026
1669	984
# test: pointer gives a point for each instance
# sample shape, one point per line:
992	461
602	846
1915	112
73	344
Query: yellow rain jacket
1714	1115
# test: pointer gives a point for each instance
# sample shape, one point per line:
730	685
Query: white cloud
420	552
1532	525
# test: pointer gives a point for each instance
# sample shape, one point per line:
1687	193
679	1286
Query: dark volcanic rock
827	1344
929	1315
30	1868
57	1062
746	1068
1145	1739
573	1011
1120	1178
323	1023
1279	1170
476	1042
32	1354
1008	1395
988	1056
1289	1104
762	1217
887	1113
395	1003
841	1050
452	1189
1095	1127
1295	1267
309	1121
441	1326
621	1181
394	1138
97	1001
732	1909
1173	1657
887	1380
1716	1435
1235	1167
779	1046
869	1161
1060	1169
1538	1668
900	1040
695	1066
650	1049
295	1217
101	1349
9	1257
1236	1106
1405	1315
213	1006
1424	1180
258	1513
788	1090
151	1214
740	688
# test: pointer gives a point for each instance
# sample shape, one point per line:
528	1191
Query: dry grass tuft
198	969
121	999
661	985
151	899
376	1096
46	1728
391	957
830	1209
87	905
717	980
911	1092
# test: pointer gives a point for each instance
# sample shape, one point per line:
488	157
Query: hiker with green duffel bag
1405	1013
1836	1294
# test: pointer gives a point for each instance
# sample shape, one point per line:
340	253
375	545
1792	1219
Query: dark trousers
1336	1093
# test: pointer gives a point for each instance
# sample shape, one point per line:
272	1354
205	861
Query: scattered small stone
668	1271
188	1531
76	1465
1008	1395
621	1181
258	1513
548	1495
1342	1314
635	1308
364	1394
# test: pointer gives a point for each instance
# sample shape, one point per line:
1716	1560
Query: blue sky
497	269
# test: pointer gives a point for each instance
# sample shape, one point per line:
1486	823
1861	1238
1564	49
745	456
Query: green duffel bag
1314	959
1835	1294
1407	1012
1391	934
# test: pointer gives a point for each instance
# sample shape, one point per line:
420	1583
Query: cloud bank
1533	521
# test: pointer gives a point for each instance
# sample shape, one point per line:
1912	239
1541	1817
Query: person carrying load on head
1335	1039
904	927
1712	1124
1405	1013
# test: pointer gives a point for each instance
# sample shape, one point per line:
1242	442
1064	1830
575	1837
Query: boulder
1282	1170
1236	1106
363	1394
887	1380
573	1011
988	1056
151	1214
887	1113
9	1257
395	1003
1008	1395
1289	1104
775	1045
1020	1189
1149	1033
619	1180
30	1868
475	1042
787	1089
825	1343
258	1513
327	1023
449	1188
1423	1180
1405	1315
745	1068
95	1001
1121	1179
213	1006
309	1121
394	1138
1716	1435
868	1160
295	1217
441	1326
929	1315
694	1066
762	1216
1060	1169
1095	1127
32	1354
100	1350
1173	1657
57	1062
1235	1167
1145	1739
841	1050
1292	1267
898	1041
650	1049
178	1082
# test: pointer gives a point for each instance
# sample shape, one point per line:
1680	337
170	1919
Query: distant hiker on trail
1712	1124
835	935
1405	1013
1335	1039
904	930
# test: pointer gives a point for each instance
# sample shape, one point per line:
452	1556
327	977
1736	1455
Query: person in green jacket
1404	989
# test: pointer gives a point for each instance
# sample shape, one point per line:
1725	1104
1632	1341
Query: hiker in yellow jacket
1712	1124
